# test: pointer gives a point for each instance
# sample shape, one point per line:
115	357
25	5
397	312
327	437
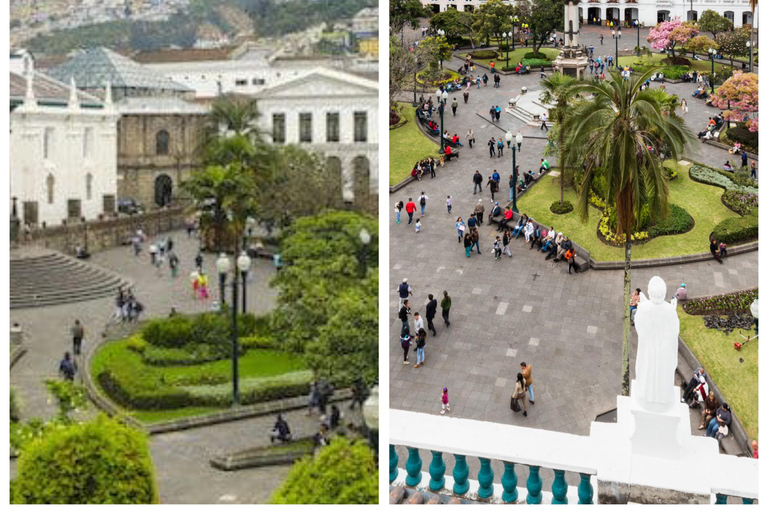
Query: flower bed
717	178
738	302
740	202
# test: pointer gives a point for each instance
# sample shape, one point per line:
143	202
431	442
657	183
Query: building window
50	183
361	127
278	128
88	186
74	210
305	127
161	142
332	127
88	143
47	143
257	81
30	213
241	82
108	201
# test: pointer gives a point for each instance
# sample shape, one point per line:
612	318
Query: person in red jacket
410	207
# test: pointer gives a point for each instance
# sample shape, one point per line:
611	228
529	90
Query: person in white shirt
529	228
418	322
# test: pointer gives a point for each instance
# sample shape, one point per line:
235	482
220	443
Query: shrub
484	54
671	173
212	329
343	472
15	414
168	332
538	55
99	462
741	178
133	393
678	221
677	60
675	72
137	344
536	63
740	202
740	133
717	178
735	230
560	209
259	341
738	302
253	390
246	324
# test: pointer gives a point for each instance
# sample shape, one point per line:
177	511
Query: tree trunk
627	286
560	163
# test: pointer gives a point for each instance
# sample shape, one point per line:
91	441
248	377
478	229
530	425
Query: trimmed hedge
678	221
536	63
735	230
560	209
675	72
539	55
484	54
740	133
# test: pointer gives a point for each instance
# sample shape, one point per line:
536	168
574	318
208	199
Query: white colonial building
63	161
333	113
648	12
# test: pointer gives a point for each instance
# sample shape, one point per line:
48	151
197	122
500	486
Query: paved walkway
569	327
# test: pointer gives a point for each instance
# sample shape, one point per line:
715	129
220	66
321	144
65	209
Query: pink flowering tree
668	34
738	97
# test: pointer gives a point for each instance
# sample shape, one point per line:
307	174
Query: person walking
405	310
497	248
418	322
423	202
431	312
476	239
505	243
460	228
173	263
525	369
398	209
519	393
421	342
467	244
753	170
744	161
477	179
479	211
492	146
449	203
684	106
67	368
601	39
447	406
404	291
466	95
410	208
471	137
78	333
445	306
405	343
454	106
500	147
544	122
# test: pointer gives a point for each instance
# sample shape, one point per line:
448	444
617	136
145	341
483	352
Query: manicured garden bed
270	455
514	57
734	371
407	145
701	201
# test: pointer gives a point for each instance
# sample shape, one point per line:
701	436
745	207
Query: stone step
45	278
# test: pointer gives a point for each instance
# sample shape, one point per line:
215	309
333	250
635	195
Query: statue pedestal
571	62
658	433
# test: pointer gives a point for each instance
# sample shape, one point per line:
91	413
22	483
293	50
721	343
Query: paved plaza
568	327
181	459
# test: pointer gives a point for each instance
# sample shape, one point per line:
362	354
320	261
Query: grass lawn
408	145
701	201
514	56
150	417
737	381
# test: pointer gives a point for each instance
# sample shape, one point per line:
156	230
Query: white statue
657	327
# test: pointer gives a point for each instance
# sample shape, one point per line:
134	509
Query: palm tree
234	114
558	91
620	132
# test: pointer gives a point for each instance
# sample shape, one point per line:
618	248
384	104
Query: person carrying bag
517	394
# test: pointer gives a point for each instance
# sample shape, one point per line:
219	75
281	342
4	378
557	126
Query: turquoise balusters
436	472
722	499
534	486
413	467
460	475
509	483
748	501
393	459
585	490
559	488
485	479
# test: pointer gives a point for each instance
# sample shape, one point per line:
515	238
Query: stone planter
274	455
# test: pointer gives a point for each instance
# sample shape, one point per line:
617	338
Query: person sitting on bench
450	153
727	166
520	226
455	139
495	212
280	431
504	223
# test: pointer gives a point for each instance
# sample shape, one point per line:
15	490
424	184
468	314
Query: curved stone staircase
46	278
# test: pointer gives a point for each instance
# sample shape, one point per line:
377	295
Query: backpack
422	201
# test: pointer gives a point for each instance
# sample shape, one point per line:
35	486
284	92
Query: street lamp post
750	45
441	33
712	53
637	24
514	20
371	418
222	267
415	71
519	141
365	239
244	265
506	36
443	99
616	36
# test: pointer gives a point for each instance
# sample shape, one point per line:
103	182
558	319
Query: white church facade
63	151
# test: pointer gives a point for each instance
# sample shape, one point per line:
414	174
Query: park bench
425	122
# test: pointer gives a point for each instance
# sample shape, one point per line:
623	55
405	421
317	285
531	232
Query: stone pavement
524	309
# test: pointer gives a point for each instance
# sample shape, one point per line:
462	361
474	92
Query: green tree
733	43
347	347
324	257
404	13
434	50
492	19
618	135
714	22
455	23
402	68
343	472
98	462
557	91
700	44
543	17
